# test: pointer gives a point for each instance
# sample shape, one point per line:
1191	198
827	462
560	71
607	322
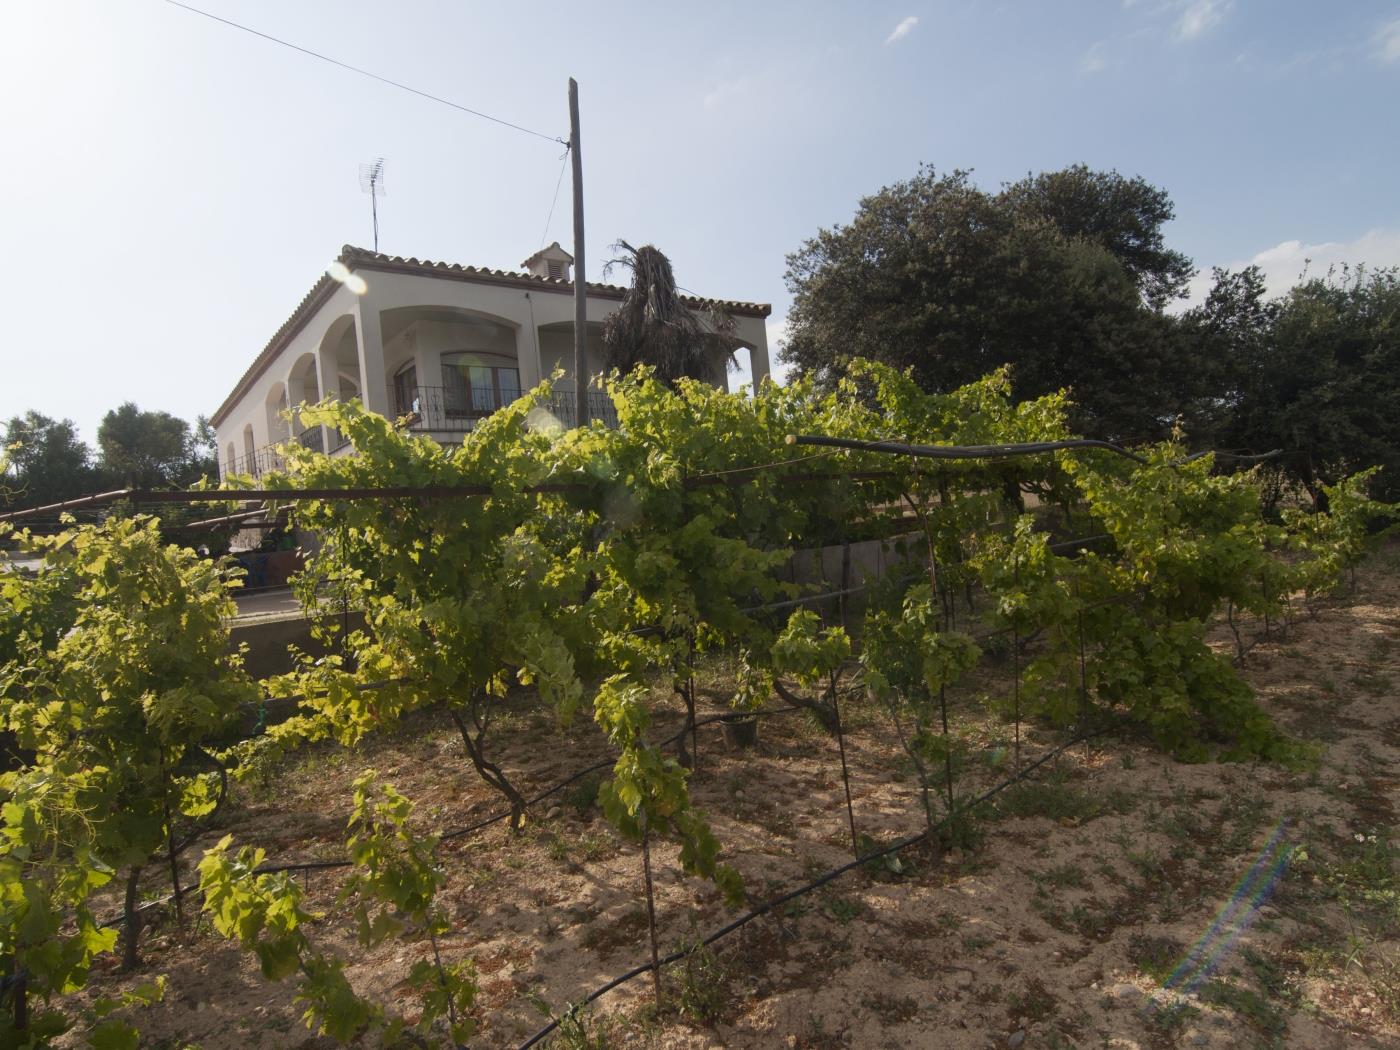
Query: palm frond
654	327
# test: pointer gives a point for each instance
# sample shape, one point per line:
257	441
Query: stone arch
338	360
275	404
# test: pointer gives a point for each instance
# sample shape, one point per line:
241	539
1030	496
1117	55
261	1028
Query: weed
1272	977
702	984
1033	1004
572	1033
1154	956
1058	800
1372	683
1171	1017
584	794
1062	876
795	908
887	864
961	831
1261	1014
844	909
893	1009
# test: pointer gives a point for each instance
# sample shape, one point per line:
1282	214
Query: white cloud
1199	16
1095	59
1388	42
902	30
1286	262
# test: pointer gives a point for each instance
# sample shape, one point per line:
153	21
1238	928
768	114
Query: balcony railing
313	439
452	410
263	461
440	410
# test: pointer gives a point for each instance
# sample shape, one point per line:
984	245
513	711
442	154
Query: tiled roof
363	259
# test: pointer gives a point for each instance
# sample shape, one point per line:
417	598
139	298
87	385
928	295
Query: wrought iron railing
312	438
455	410
441	410
257	463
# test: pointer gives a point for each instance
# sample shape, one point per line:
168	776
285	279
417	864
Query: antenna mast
372	182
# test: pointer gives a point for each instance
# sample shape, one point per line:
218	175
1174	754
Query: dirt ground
1118	899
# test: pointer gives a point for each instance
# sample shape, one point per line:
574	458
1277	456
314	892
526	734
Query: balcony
314	439
432	410
264	461
447	410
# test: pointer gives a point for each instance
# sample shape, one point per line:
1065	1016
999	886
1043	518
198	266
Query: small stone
1126	992
739	795
1201	1039
1016	1038
555	812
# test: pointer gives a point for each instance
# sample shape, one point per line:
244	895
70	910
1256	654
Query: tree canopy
937	275
141	449
1123	215
48	462
1314	373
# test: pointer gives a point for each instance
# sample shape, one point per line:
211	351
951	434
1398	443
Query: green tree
1314	373
1120	214
48	462
203	450
936	275
152	449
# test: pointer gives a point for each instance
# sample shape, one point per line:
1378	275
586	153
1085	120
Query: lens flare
542	421
342	273
1236	915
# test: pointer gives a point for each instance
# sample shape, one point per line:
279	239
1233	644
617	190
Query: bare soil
1105	903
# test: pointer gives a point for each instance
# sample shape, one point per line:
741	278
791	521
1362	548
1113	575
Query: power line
367	73
563	162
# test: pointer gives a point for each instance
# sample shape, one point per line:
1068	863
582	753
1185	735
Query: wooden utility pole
580	285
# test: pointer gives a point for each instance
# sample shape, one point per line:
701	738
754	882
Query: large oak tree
1059	276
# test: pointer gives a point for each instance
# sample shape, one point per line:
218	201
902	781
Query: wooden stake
651	911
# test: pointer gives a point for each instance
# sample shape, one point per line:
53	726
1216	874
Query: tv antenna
372	182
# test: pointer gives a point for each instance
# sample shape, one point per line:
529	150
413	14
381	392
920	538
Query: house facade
441	345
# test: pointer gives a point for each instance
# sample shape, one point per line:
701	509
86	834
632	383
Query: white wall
518	311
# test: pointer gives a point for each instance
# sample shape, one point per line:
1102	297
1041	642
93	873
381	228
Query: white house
440	343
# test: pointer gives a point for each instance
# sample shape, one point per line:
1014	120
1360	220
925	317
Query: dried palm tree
653	327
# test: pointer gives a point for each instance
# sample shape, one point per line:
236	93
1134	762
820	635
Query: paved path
278	602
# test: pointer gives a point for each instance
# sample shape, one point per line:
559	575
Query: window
477	384
406	390
556	269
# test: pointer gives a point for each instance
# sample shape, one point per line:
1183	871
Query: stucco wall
346	322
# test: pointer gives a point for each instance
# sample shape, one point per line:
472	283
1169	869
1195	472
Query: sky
172	187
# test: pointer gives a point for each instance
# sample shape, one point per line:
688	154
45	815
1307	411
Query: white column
527	350
427	367
758	360
296	394
369	342
328	382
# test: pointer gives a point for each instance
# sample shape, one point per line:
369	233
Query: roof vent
552	262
